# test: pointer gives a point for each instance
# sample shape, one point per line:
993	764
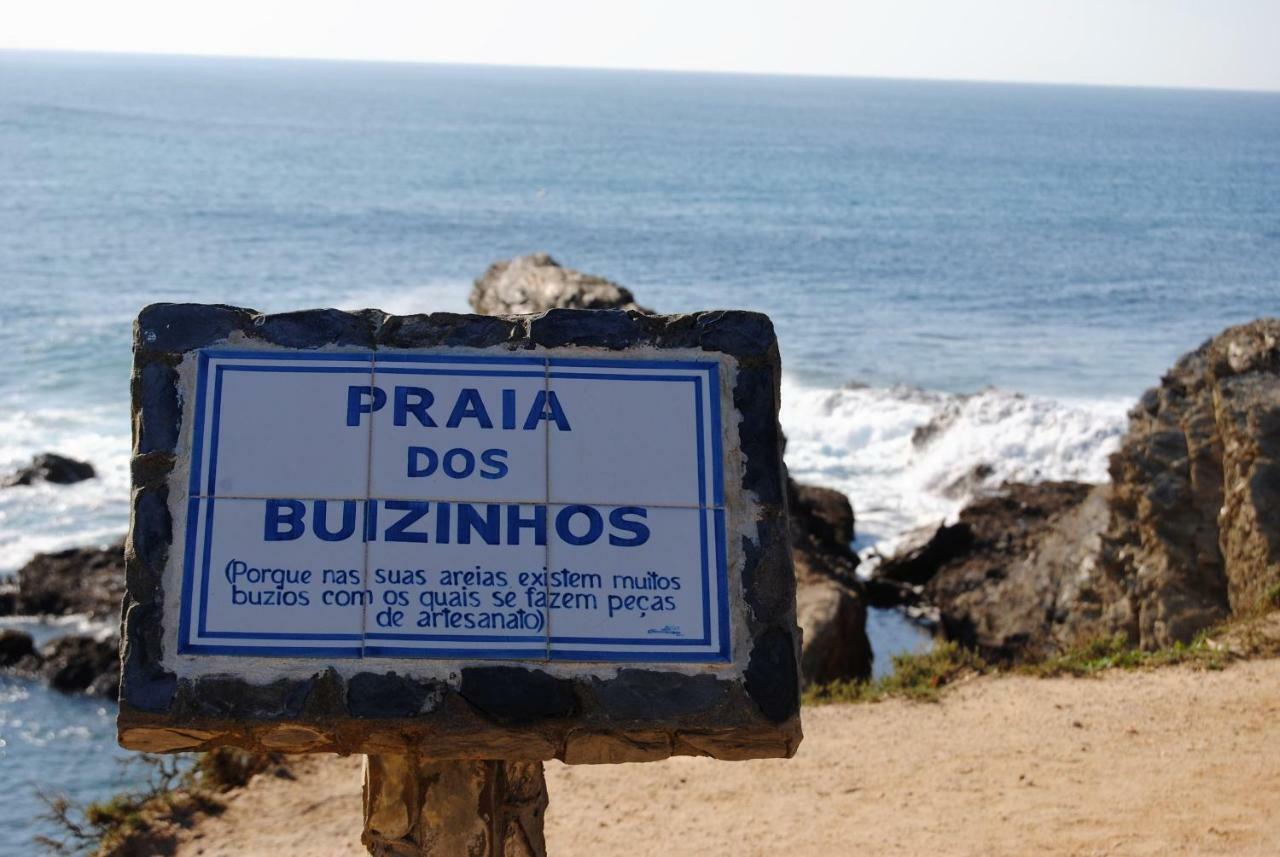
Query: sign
362	505
458	536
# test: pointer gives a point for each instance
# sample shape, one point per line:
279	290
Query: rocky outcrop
925	550
1195	525
51	467
1187	534
69	664
537	283
17	651
831	606
79	580
82	663
1005	578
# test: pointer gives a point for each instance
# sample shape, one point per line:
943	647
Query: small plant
915	676
1117	652
177	789
1270	599
86	828
224	768
923	676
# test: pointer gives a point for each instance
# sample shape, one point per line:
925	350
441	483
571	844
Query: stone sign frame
577	712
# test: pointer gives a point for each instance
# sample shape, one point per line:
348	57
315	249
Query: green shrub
915	676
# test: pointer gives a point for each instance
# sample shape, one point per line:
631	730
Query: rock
17	651
972	483
79	580
536	283
1194	533
1186	535
8	600
824	515
884	593
1016	593
925	550
51	467
1002	578
76	663
833	617
831	606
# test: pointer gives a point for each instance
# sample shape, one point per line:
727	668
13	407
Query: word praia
468	407
443	522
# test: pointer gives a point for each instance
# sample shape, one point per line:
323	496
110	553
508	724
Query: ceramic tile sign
439	505
560	535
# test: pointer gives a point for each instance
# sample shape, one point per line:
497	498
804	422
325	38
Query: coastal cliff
1184	537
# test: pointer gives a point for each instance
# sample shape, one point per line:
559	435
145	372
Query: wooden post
480	808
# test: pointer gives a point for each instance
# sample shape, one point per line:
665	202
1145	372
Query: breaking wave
907	456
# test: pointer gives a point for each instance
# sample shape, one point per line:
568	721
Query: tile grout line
546	493
474	500
368	498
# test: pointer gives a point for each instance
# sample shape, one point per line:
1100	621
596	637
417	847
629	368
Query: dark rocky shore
81	581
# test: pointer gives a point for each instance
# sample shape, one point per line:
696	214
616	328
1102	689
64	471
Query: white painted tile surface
285	433
631	441
452	591
637	596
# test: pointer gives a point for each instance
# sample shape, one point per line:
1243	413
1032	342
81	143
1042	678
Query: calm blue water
1062	242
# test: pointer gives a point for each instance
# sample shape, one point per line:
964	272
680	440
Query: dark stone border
509	711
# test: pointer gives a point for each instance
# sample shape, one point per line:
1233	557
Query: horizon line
108	52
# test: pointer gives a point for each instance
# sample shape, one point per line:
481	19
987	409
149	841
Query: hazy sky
1201	43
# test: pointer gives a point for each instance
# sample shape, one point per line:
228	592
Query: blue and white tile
276	425
260	579
456	581
631	583
636	435
449	436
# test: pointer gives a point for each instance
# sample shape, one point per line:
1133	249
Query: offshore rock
77	663
17	651
537	283
78	580
51	467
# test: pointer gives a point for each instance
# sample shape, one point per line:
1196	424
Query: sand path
1174	761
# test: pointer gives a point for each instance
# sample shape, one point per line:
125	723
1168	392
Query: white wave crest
906	456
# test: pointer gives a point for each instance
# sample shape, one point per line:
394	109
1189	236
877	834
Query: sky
1231	44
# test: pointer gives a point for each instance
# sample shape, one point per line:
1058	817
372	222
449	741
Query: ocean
1013	263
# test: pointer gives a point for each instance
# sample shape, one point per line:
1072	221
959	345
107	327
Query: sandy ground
1173	761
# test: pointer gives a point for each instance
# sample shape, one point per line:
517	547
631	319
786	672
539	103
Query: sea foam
907	456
